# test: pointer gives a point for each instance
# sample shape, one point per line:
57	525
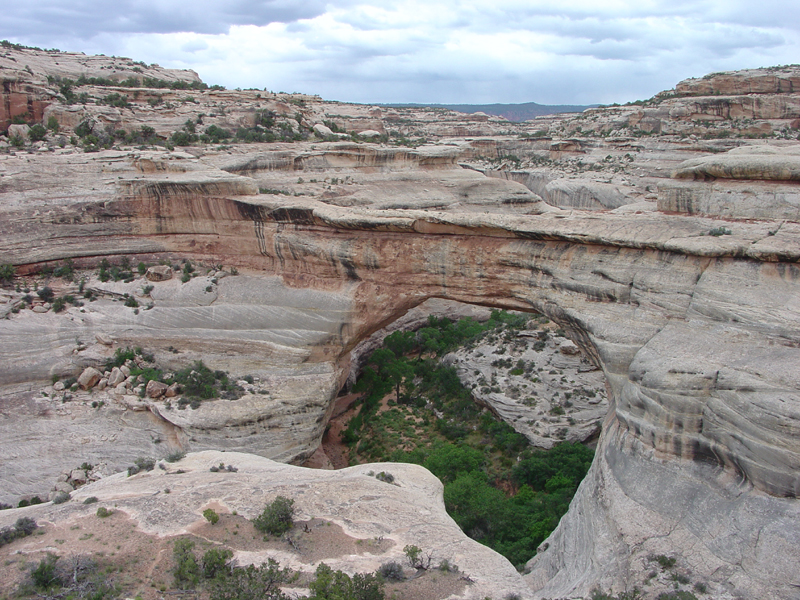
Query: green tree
277	517
399	372
215	562
253	583
336	585
186	571
401	342
449	461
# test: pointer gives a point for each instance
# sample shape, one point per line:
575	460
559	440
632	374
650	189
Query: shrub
131	302
22	528
59	304
391	571
44	575
61	497
200	382
666	562
37	133
46	294
91	500
211	516
52	123
141	464
103	512
718	231
115	99
446	567
414	556
25	526
277	517
385	477
175	456
7	273
677	595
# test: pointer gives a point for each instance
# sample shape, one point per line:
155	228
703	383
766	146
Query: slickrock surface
683	292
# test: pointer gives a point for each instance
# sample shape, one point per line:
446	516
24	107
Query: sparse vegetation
720	231
141	465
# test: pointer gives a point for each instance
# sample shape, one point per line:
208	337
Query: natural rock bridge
697	336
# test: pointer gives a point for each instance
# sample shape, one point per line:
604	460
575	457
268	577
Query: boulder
116	377
159	273
103	339
156	389
89	378
102	384
63	486
569	348
369	133
18	131
323	130
172	391
78	477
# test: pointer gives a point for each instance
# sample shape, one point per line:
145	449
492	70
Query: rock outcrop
377	520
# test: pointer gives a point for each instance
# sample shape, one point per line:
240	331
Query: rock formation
683	291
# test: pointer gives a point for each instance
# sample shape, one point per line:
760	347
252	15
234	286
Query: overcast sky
437	51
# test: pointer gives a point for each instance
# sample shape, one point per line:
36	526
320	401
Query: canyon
661	237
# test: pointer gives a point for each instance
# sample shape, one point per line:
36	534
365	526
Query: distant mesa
512	112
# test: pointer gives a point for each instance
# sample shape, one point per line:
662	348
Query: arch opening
500	405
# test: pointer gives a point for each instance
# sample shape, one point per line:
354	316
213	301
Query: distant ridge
512	112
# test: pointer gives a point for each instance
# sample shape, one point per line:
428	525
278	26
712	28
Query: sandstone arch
697	337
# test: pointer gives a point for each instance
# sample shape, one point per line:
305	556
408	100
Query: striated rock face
755	182
686	301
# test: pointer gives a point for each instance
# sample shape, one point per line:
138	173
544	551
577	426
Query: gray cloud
83	19
574	51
